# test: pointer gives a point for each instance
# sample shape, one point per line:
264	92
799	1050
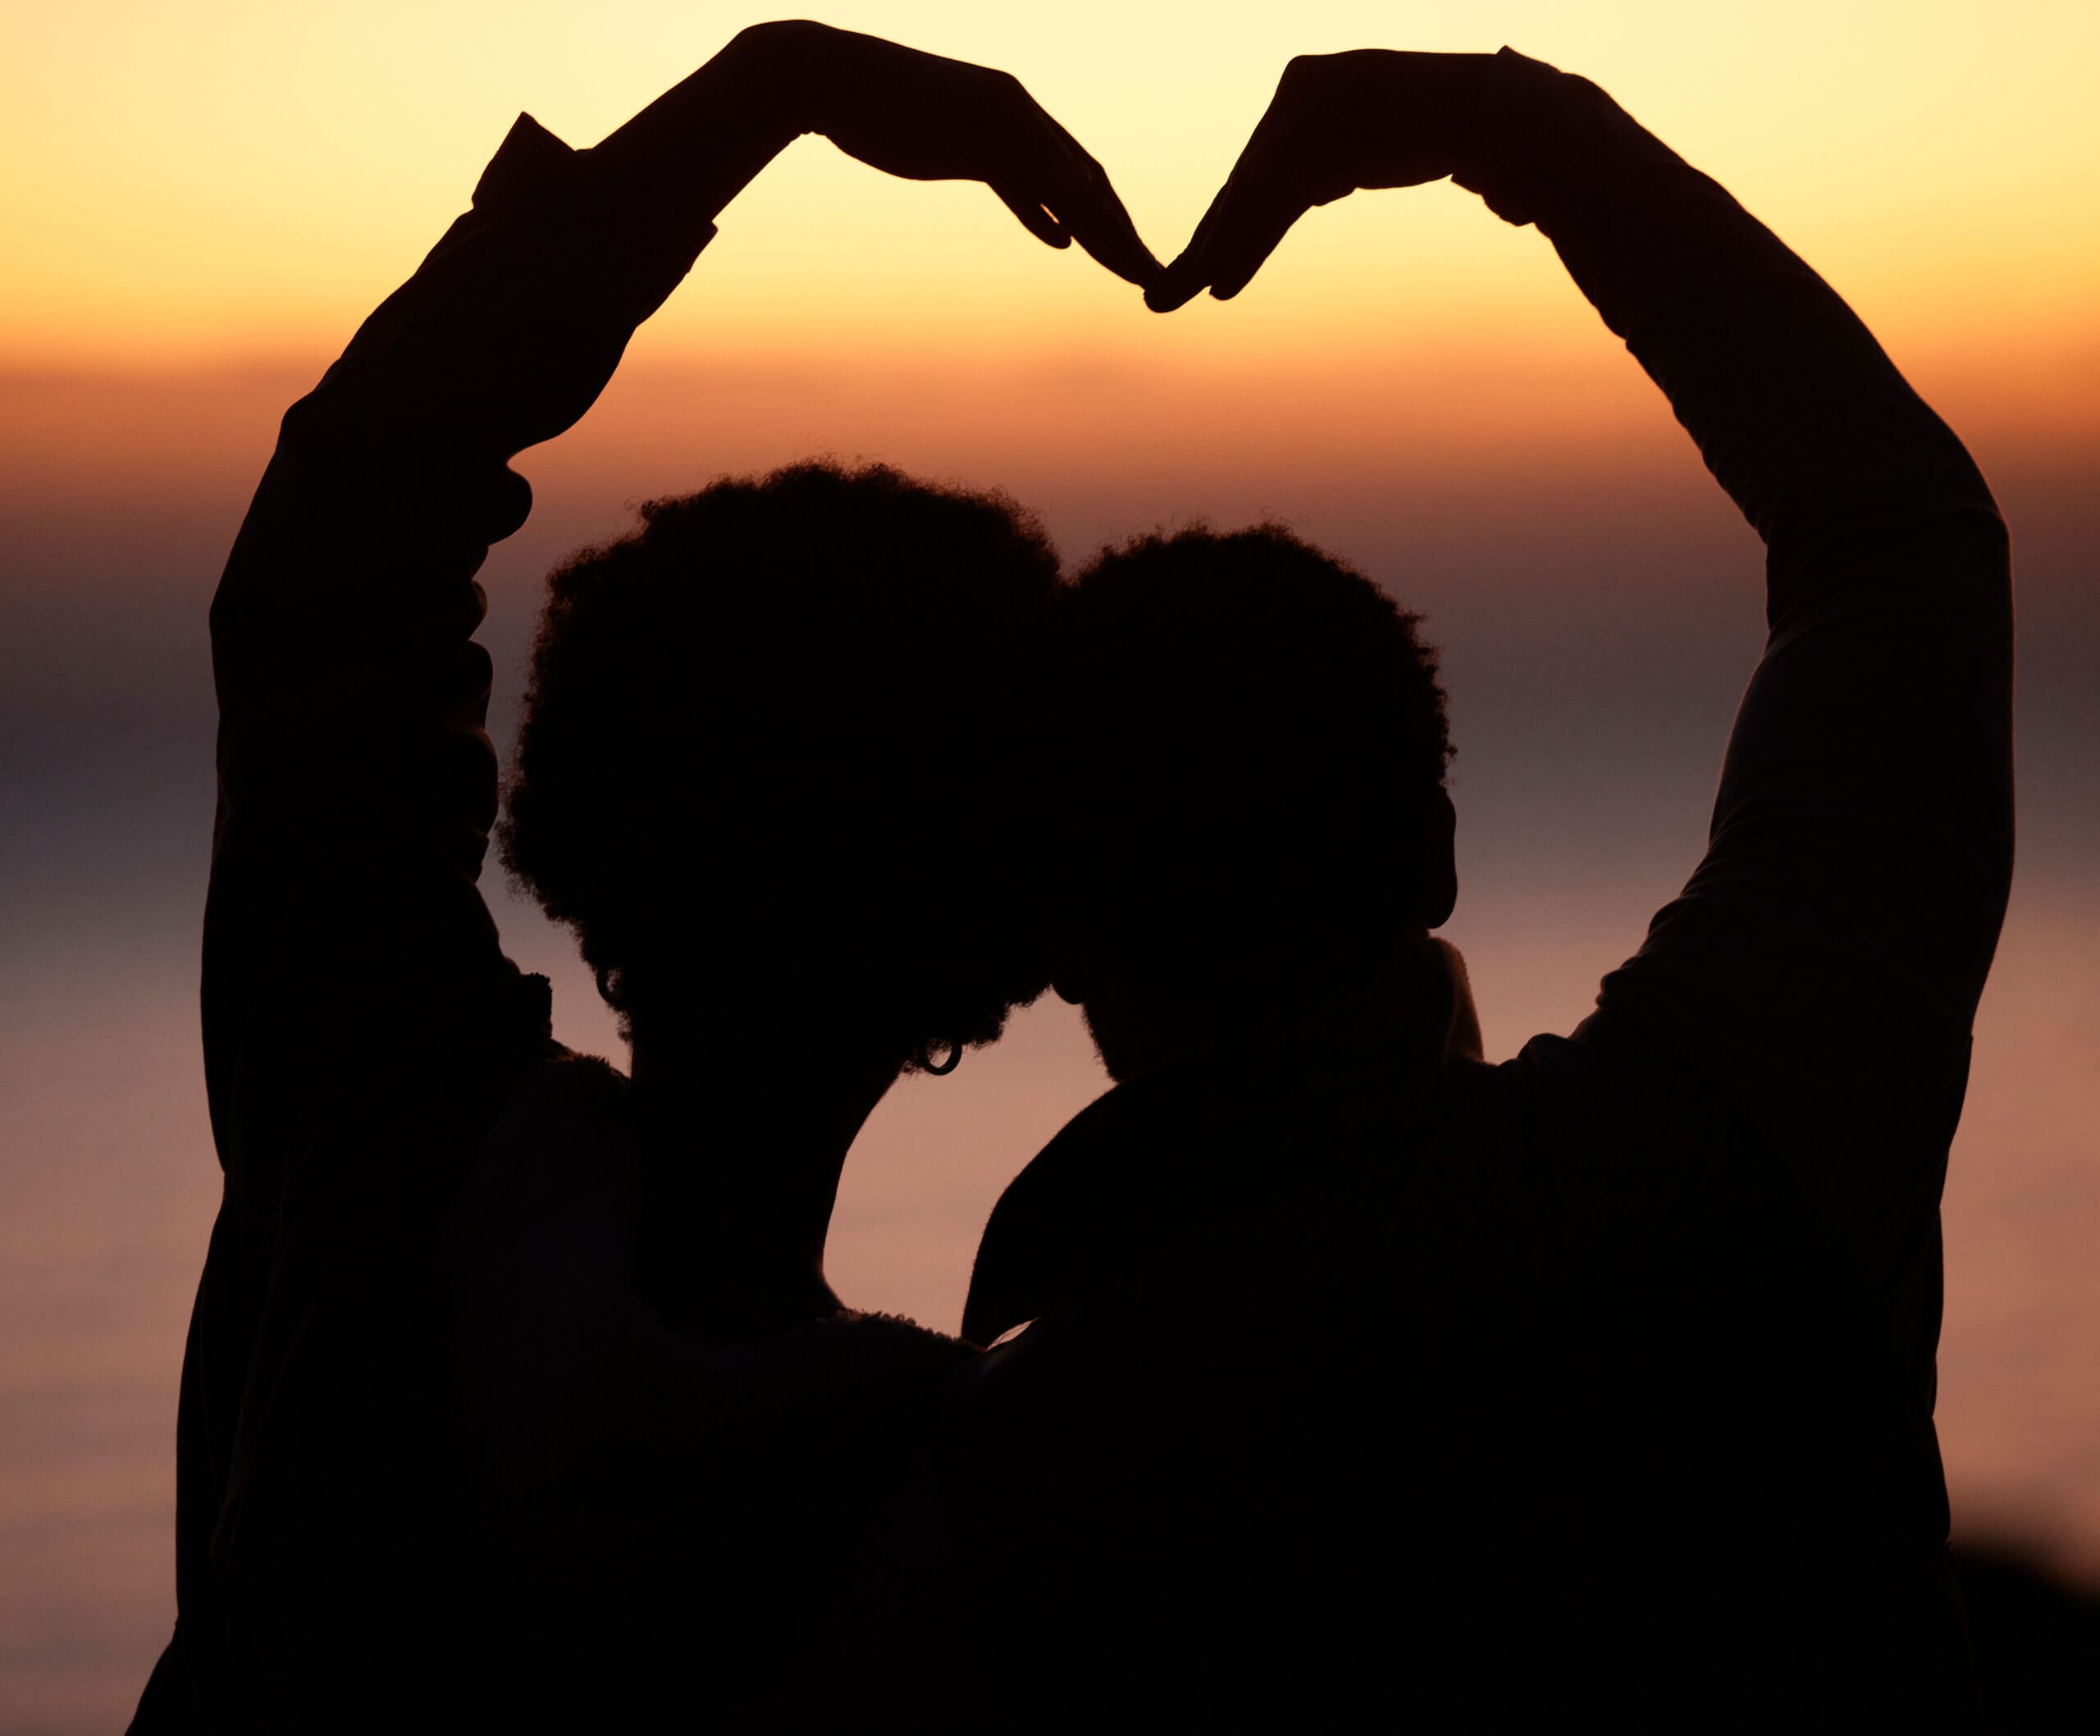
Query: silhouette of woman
435	1383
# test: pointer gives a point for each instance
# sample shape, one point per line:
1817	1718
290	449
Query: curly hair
1263	733
775	749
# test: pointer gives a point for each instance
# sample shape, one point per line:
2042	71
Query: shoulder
560	1080
1609	1076
558	1128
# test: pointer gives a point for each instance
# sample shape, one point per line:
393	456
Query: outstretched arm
360	1019
345	939
1824	964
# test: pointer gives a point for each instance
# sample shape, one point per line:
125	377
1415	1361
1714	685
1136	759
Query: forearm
1850	767
388	483
1824	961
1797	411
358	784
511	325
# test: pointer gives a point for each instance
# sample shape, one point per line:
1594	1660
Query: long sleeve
360	1019
1823	963
345	941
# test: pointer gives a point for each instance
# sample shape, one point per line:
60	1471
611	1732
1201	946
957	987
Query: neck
749	1139
1413	996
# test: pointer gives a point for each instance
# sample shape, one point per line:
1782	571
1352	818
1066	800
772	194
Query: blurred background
202	199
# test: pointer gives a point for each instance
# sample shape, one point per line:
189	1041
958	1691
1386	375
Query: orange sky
203	183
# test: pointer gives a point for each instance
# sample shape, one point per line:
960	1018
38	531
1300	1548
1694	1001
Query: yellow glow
192	182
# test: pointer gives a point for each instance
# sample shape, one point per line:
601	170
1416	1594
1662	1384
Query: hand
927	118
1338	122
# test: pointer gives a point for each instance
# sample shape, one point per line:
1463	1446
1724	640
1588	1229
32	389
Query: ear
1438	890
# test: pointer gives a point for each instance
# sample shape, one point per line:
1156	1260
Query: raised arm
347	950
360	1019
1823	963
345	939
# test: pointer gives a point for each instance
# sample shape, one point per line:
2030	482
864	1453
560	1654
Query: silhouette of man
417	1179
1345	1376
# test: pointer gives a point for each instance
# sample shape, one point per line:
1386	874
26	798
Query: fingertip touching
1176	287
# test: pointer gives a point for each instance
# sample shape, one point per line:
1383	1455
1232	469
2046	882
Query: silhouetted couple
1335	1376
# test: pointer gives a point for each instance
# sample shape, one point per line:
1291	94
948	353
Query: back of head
1260	745
771	754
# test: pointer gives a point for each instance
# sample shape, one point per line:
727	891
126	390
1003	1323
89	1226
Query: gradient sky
204	179
202	199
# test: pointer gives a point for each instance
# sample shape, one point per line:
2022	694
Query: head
770	758
1257	811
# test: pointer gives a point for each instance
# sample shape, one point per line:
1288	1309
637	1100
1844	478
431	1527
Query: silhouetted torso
1338	1416
1595	1390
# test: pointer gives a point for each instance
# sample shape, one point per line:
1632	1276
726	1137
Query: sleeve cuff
534	172
530	167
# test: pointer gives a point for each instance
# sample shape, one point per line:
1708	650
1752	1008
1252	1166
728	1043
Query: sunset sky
201	200
208	180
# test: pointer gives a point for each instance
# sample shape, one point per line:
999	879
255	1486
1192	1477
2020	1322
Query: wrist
693	149
1516	97
791	66
1550	144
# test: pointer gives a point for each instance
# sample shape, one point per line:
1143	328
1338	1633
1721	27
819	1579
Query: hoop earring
954	1060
